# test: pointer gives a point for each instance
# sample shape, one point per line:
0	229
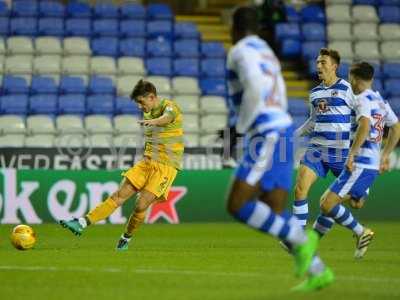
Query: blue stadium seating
391	69
159	66
291	14
132	47
51	9
24	8
4	11
101	85
213	86
159	28
377	70
389	2
43	104
43	85
213	67
366	2
313	32
159	11
290	48
78	27
133	28
310	50
186	30
297	107
14	104
23	26
392	87
106	27
312	68
105	10
4	26
124	105
212	49
100	104
343	70
72	85
72	104
377	85
132	11
186	48
51	26
389	14
186	67
395	105
15	85
105	46
159	47
313	13
79	10
287	30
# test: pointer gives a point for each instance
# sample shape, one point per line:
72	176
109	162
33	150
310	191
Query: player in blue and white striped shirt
364	159
329	124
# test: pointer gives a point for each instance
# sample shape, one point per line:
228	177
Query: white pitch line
182	272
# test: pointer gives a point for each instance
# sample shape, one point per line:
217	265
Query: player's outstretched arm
161	121
392	140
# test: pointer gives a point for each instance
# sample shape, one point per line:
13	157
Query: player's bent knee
356	203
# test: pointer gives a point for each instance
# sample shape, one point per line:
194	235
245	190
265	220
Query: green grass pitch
189	261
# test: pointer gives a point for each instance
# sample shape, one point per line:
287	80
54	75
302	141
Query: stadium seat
101	85
14	104
212	49
99	141
132	47
23	26
128	140
364	13
392	87
133	28
100	104
211	86
40	124
191	123
389	32
211	140
391	69
185	85
298	107
389	14
159	47
291	14
186	48
310	50
106	27
47	64
125	106
76	46
212	123
125	84
338	13
107	46
12	124
162	83
73	65
377	85
19	45
14	85
344	48
51	27
287	31
100	65
212	67
130	65
132	11
98	124
68	140
191	140
48	45
18	64
189	104
313	32
127	123
24	8
290	48
312	13
213	105
366	50
186	67
43	85
390	50
105	10
365	31
4	26
52	9
4	10
78	27
388	2
159	12
72	85
43	104
377	69
72	104
186	30
159	66
40	141
69	124
343	70
367	2
79	10
157	29
12	141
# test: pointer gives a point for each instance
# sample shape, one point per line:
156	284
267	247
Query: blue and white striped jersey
257	91
380	114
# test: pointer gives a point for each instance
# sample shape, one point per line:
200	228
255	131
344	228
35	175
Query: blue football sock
344	217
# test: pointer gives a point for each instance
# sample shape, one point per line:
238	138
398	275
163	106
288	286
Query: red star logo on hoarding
167	209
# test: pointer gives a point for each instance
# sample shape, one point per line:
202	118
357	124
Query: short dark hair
362	70
244	19
333	54
142	89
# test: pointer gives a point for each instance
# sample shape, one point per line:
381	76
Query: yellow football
23	237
